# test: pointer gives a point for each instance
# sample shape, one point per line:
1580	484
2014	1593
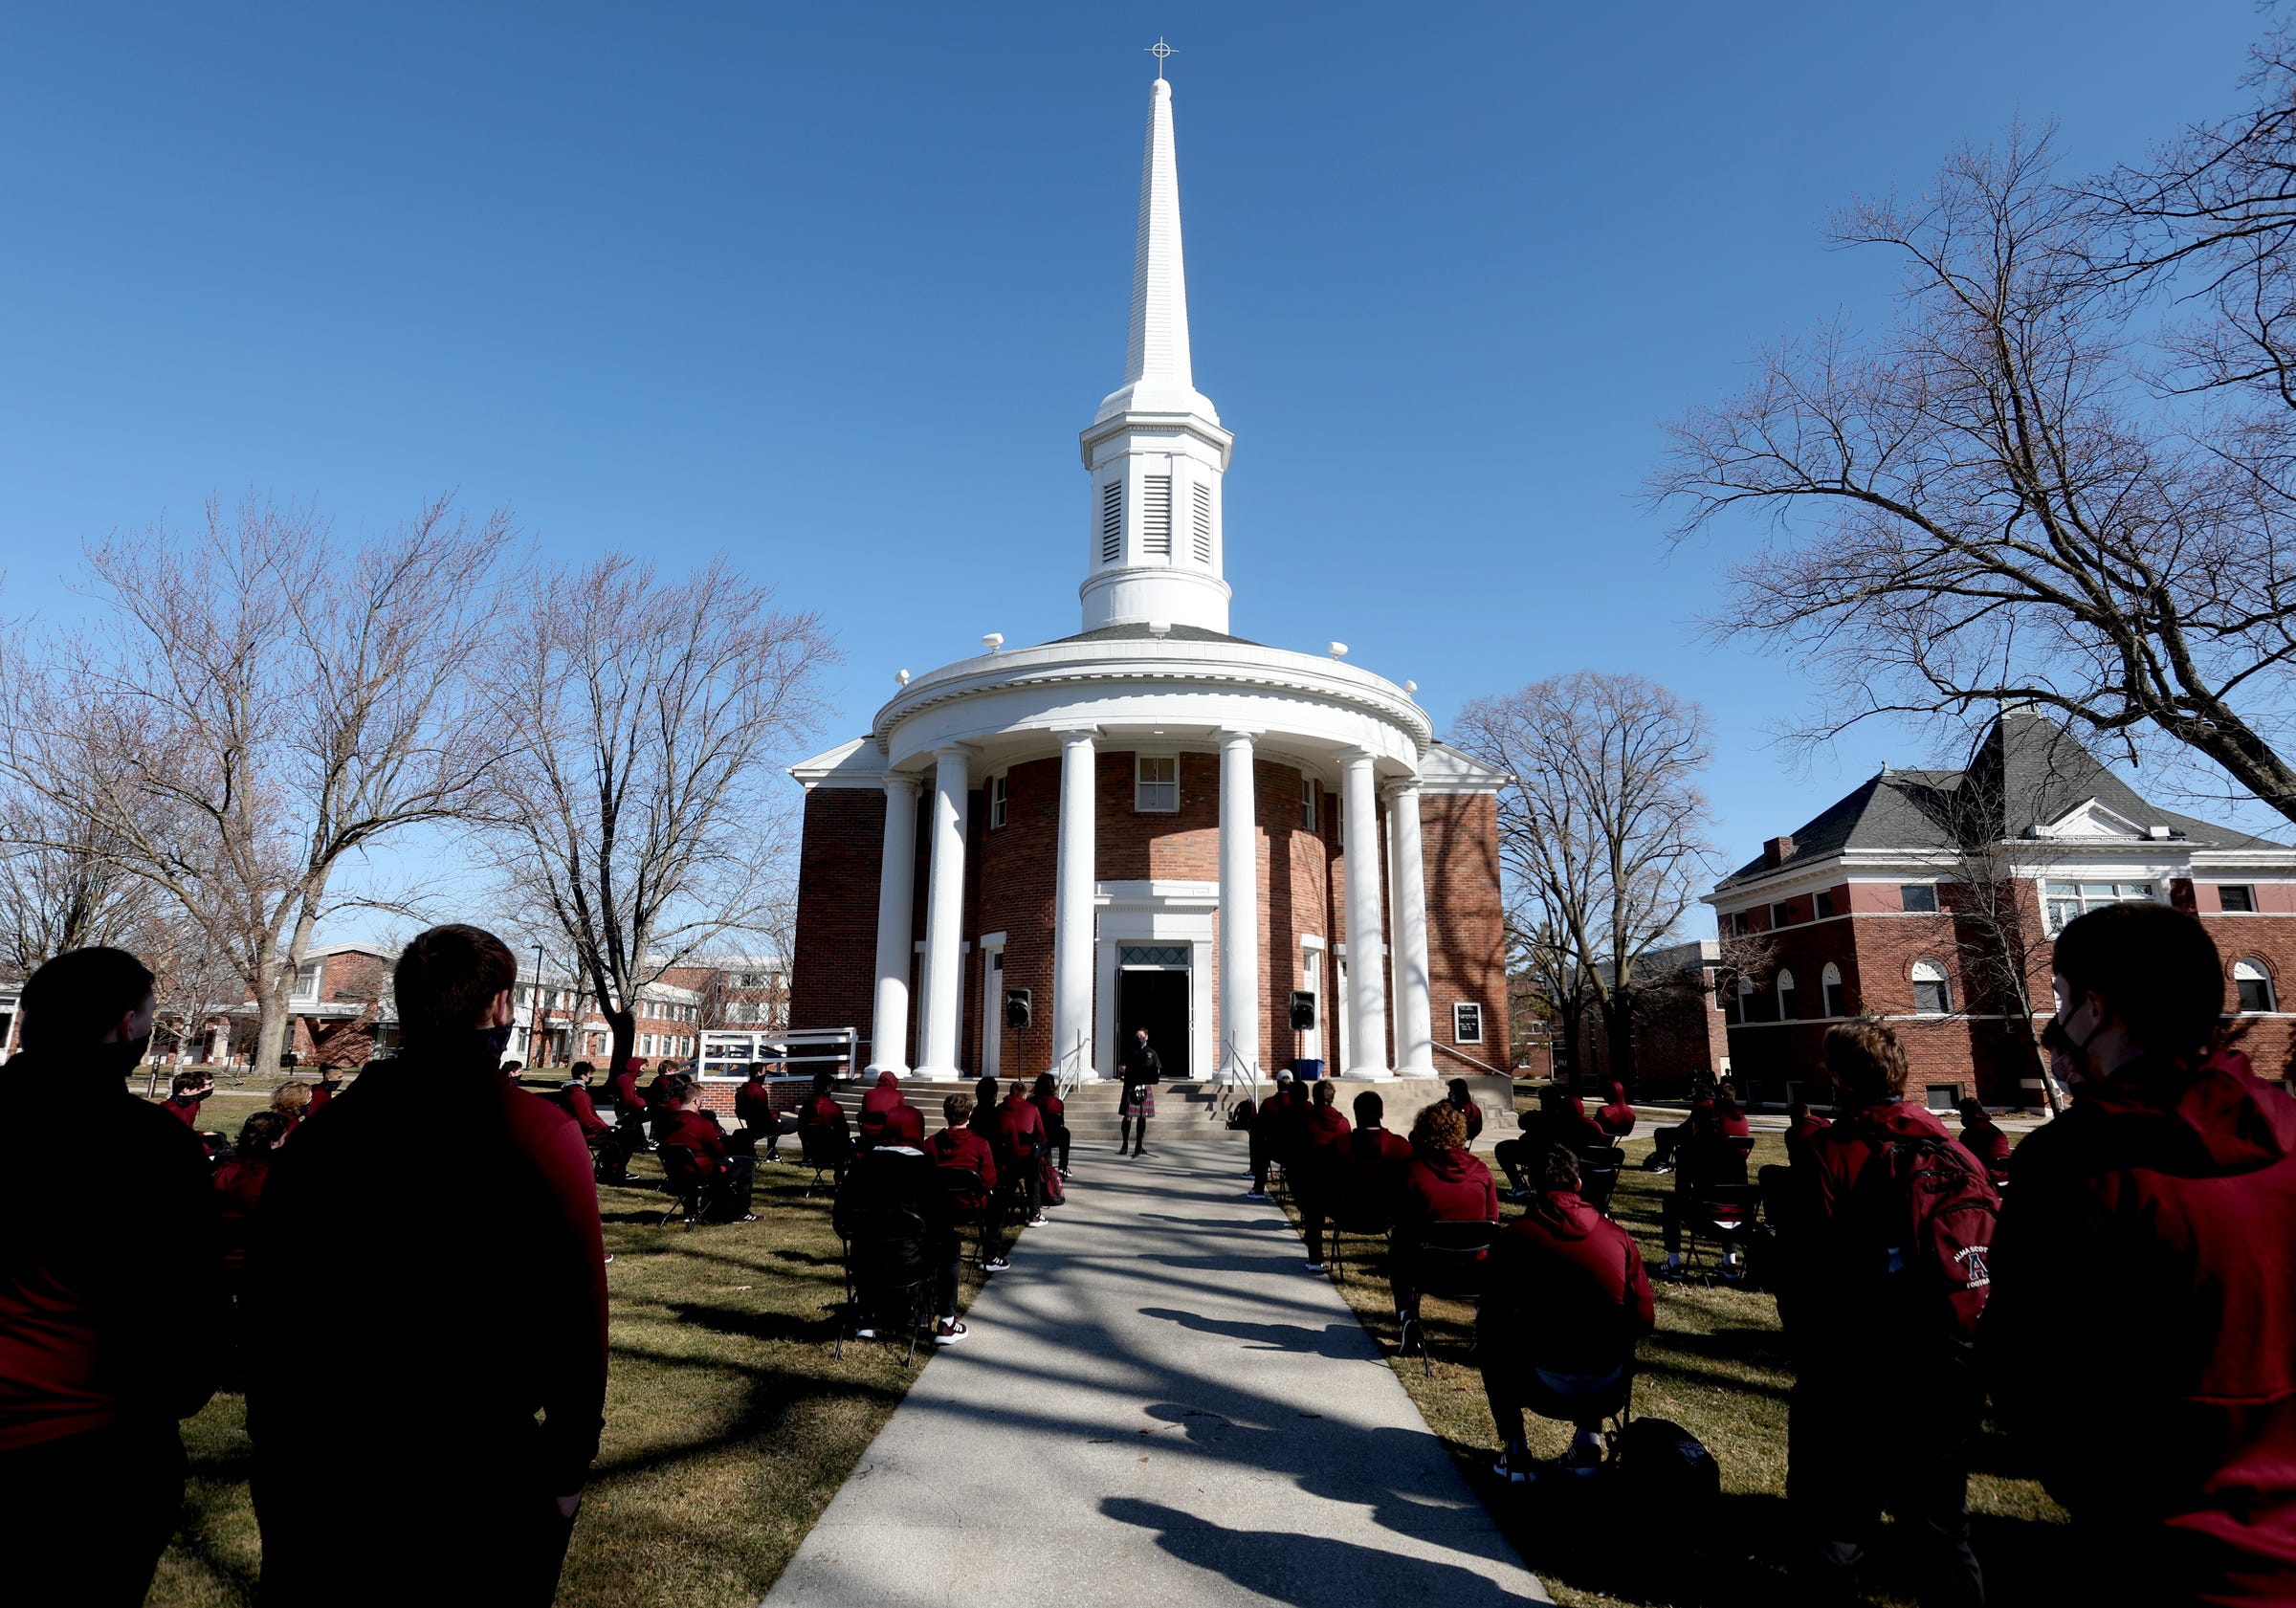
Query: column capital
1352	756
948	750
1070	736
1399	785
1239	733
906	781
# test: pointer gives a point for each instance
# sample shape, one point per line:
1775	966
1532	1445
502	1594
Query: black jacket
1142	1064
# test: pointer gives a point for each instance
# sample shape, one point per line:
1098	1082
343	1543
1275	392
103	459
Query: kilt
1139	1100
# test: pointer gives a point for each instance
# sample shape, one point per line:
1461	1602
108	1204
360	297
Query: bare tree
1601	834
64	884
263	701
1986	502
635	819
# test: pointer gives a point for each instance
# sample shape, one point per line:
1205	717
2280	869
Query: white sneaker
949	1334
1514	1466
995	1265
1315	1267
1039	1220
1583	1458
864	1332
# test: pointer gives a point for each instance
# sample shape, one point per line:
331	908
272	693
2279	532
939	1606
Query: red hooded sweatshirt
962	1148
753	1102
1447	1187
2141	1342
1323	1125
1800	1133
576	1099
697	1132
1984	1139
1571	1284
1616	1118
1019	1126
876	1103
904	1125
622	1093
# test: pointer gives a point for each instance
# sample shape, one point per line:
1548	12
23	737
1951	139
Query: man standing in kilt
1142	1069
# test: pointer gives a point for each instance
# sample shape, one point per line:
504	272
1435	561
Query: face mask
497	1039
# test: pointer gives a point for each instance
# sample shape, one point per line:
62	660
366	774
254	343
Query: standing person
1888	1261
2142	1342
1982	1137
111	1312
445	1346
1141	1069
1461	1100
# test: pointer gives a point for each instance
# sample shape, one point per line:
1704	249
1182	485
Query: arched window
1742	1003
1785	994
1932	994
2254	985
1830	984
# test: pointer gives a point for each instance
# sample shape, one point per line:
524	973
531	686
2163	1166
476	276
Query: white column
1366	987
1239	905
1414	1007
1073	874
896	895
944	918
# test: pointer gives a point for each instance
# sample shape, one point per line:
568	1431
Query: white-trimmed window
999	798
1785	994
1467	1024
1745	998
1822	904
2236	896
2253	983
1932	992
1155	783
1782	916
1917	896
2068	899
306	979
1307	804
1829	985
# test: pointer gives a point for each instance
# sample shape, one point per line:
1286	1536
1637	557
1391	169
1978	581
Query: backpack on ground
1054	1194
1667	1471
1240	1116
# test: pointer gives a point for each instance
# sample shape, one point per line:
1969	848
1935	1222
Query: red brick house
1920	894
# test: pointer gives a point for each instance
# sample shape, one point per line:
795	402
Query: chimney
1777	851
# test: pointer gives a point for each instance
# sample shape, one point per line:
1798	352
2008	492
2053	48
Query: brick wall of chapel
833	972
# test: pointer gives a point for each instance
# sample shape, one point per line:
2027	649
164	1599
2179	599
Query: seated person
1441	1183
622	1093
1561	1119
1461	1100
1274	1128
329	1085
1734	1118
753	1109
665	1097
1046	1098
727	1177
1664	1142
824	1136
894	1214
1326	1172
1566	1299
883	1096
988	1096
1802	1125
1019	1142
185	1092
1707	1157
575	1100
957	1147
904	1125
1982	1137
291	1101
1615	1119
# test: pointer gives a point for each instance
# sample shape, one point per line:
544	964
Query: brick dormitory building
1878	905
1153	822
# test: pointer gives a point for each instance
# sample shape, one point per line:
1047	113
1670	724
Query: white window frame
1781	915
1932	974
1310	816
2079	898
1929	888
1784	989
1464	1012
2264	976
318	972
2246	889
999	800
1140	784
1830	993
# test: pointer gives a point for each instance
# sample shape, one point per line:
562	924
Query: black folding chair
687	1185
886	1272
1725	1215
967	1206
1362	1213
1598	1168
823	1147
1445	1259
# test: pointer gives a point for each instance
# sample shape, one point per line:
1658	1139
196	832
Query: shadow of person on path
1343	1340
1305	1569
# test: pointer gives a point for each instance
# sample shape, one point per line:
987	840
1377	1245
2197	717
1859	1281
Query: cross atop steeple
1160	50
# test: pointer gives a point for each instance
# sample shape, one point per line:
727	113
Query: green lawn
728	1425
1718	1366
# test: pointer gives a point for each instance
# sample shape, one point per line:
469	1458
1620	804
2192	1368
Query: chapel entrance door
1155	996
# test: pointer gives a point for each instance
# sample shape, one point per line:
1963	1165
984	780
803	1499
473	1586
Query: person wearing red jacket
904	1125
112	1306
1322	1130
1615	1119
1462	1099
1565	1300
876	1103
970	1183
1046	1098
1020	1146
1734	1118
239	1188
1877	1269
188	1089
753	1109
1982	1137
1802	1125
730	1176
416	1402
1561	1119
2141	1342
1441	1183
329	1086
824	1136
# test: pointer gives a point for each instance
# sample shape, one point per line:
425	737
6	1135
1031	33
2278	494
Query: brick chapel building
1913	896
1153	822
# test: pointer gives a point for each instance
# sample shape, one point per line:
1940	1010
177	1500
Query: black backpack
1667	1471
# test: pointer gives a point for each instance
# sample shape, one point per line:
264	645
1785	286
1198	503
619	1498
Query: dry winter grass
1716	1366
728	1425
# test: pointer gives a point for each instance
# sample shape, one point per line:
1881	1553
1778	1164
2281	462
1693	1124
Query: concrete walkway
1157	1405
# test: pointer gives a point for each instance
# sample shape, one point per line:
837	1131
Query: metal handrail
1227	1091
1070	1070
1472	1062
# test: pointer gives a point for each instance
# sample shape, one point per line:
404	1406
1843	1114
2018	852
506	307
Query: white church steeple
1156	450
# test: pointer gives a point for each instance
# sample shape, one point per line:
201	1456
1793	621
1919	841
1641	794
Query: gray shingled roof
1138	631
2026	771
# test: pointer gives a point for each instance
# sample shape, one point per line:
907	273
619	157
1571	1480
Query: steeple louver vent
1156	515
1112	521
1204	524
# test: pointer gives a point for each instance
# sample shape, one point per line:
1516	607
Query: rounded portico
1153	822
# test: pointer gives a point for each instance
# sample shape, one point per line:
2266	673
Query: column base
1425	1070
1375	1075
940	1074
896	1068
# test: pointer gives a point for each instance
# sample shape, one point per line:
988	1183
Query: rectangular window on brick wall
1467	1024
1156	784
1782	916
2068	899
1917	896
1823	905
1307	804
997	798
2236	897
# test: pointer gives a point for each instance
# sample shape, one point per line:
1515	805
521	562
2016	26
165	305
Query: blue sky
832	289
